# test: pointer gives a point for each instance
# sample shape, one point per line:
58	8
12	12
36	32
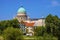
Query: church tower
21	14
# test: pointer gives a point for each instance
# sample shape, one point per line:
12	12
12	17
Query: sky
34	8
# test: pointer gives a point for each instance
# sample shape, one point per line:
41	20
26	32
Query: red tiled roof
28	24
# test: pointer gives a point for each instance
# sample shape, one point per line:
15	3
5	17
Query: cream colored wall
21	17
40	22
20	14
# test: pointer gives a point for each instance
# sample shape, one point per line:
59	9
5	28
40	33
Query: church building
28	22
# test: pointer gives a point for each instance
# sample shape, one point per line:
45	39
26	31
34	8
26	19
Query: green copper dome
21	10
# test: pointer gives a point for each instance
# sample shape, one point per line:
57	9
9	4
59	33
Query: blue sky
34	8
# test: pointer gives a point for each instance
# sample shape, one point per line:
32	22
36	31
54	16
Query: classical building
29	23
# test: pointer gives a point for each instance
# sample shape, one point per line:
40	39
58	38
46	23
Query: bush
0	32
49	37
1	38
12	34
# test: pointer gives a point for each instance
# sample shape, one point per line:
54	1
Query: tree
12	34
48	22
14	23
53	25
9	23
39	31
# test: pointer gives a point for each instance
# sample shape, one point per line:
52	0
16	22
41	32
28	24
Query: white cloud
55	3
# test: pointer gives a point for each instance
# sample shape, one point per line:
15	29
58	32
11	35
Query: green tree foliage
39	31
9	23
53	25
48	23
12	34
14	23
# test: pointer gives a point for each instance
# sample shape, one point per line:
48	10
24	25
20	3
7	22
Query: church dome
21	10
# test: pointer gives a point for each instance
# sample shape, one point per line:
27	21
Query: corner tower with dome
21	14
